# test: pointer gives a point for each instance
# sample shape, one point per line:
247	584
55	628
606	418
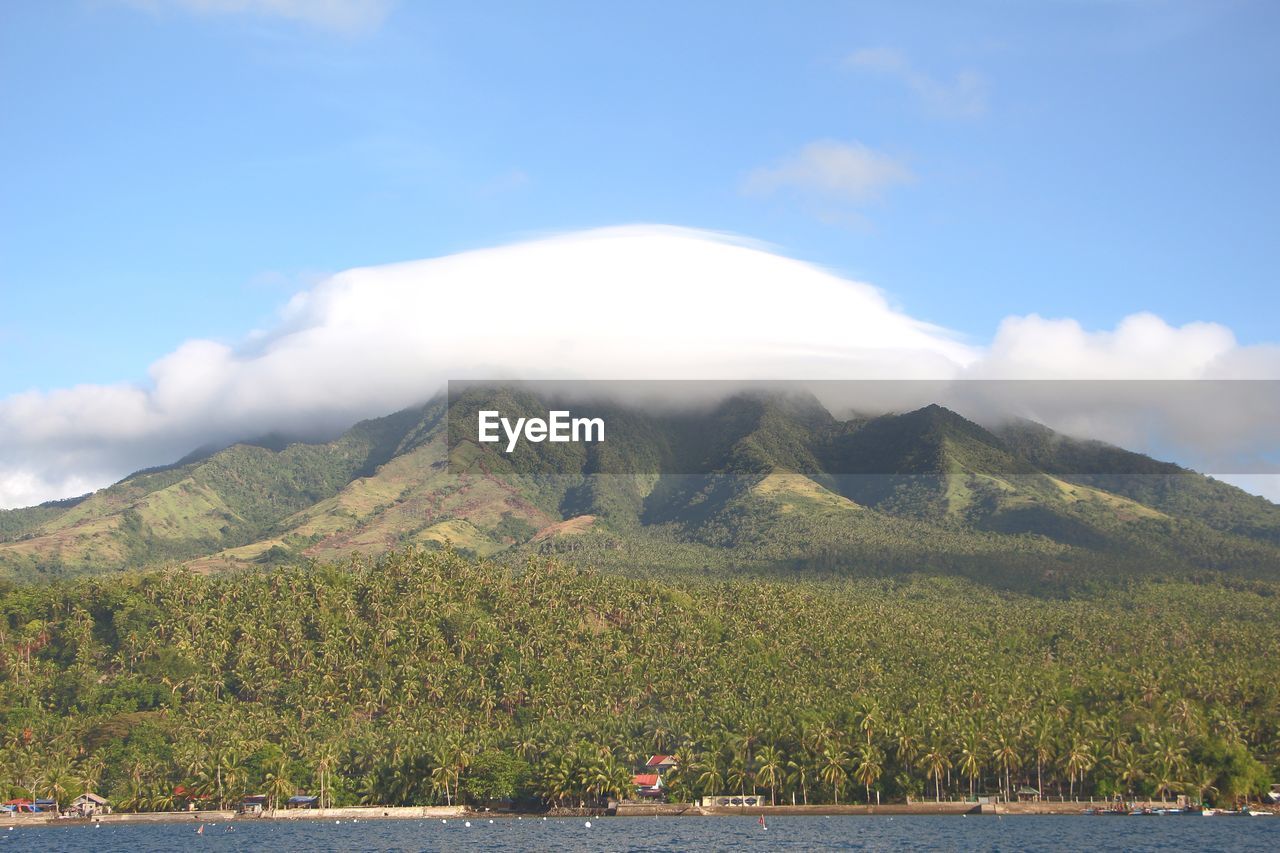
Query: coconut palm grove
429	676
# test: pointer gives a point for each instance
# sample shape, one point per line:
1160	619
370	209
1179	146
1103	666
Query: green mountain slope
226	499
1162	486
754	482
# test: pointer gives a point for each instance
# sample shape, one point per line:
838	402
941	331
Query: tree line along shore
430	678
625	809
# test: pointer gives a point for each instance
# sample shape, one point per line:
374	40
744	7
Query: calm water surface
650	834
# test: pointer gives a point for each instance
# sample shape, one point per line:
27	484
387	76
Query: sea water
914	832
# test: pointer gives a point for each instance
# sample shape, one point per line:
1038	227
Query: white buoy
337	821
587	824
490	820
467	824
442	820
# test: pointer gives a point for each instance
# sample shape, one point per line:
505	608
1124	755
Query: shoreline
624	810
952	808
341	813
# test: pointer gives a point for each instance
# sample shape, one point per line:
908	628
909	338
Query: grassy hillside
1162	486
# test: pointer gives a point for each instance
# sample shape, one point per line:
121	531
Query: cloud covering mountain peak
633	302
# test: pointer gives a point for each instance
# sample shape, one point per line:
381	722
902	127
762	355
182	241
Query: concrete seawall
219	816
1043	807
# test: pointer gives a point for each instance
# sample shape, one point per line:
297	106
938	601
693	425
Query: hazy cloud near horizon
636	302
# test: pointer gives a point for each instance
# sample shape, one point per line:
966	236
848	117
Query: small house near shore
302	801
253	804
648	782
1027	794
648	786
89	804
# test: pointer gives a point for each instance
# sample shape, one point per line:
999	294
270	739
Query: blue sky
1062	188
176	169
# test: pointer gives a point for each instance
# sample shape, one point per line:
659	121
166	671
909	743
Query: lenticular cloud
640	302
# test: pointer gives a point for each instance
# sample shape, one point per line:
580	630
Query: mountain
753	482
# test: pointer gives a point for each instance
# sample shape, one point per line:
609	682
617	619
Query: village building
661	764
648	783
185	799
726	800
302	801
254	804
648	786
89	804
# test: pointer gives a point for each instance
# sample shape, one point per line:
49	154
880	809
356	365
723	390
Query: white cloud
347	17
647	302
635	302
965	96
846	171
1142	346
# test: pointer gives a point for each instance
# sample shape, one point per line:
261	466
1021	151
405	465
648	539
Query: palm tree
1202	779
441	775
90	772
1079	761
711	779
970	761
1172	758
740	772
57	780
1007	758
798	772
869	768
133	797
833	770
770	769
325	762
908	745
619	781
938	763
1128	768
1043	745
279	784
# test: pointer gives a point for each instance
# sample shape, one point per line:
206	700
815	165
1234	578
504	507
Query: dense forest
430	677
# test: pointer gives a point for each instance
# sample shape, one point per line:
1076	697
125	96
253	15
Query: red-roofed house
647	784
661	763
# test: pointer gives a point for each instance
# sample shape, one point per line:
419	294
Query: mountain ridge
756	480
